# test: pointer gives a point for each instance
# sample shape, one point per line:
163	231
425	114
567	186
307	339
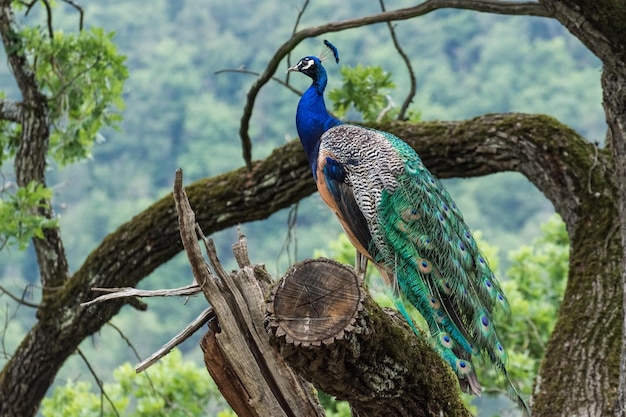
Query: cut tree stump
316	303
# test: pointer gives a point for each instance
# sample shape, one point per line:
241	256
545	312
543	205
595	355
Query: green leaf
83	74
367	89
20	216
172	388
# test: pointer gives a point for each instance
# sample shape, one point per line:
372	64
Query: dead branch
183	335
237	347
135	292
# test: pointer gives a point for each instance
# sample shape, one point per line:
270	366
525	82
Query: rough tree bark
601	26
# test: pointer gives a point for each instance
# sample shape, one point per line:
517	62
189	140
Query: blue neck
312	118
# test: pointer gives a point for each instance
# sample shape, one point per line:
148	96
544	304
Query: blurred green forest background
180	113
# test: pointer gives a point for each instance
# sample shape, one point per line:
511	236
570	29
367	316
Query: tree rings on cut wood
316	302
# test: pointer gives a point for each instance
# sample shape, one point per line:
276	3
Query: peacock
401	218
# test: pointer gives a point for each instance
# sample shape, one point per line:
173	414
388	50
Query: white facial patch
308	64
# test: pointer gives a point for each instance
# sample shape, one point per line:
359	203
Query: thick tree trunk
601	26
580	371
614	88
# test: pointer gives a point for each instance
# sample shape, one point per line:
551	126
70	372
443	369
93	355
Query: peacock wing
338	193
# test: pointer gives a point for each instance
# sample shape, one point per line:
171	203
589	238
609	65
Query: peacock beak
294	68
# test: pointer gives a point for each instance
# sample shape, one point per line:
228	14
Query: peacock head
312	65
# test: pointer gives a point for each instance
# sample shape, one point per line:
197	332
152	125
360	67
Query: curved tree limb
553	156
599	25
486	6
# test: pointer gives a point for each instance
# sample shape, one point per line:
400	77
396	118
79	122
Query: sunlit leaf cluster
20	219
366	89
83	75
172	387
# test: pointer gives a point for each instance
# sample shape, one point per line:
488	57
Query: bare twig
124	338
5	327
99	382
278	80
80	11
29	6
390	105
409	67
291	237
19	300
46	3
295	28
487	6
134	292
183	335
74	78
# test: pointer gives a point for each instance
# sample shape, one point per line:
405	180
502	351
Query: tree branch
103	392
599	27
487	6
553	156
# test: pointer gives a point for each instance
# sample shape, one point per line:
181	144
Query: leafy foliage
83	75
19	217
366	88
534	287
172	388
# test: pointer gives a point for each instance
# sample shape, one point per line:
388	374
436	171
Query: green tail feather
439	269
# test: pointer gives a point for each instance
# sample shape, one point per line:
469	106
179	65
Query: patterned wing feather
333	180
